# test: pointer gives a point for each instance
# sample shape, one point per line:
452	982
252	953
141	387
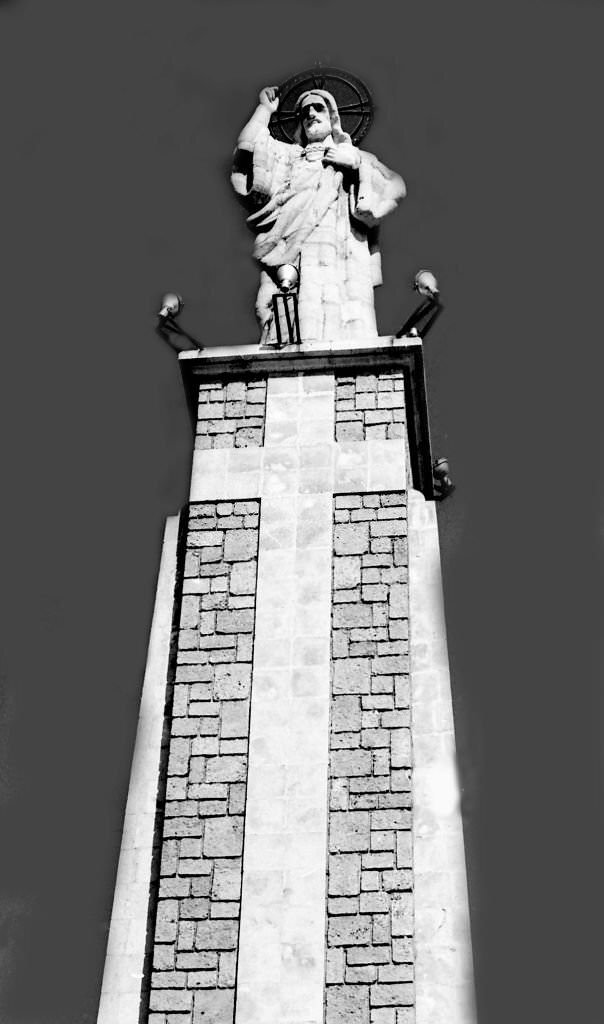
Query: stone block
390	665
349	616
200	886
347	1004
370	880
399	880
194	909
402	951
338	795
186	935
404	852
339	905
402	692
235	391
345	713
349	431
400	779
348	501
170	888
349	831
344	741
164	957
351	675
189	612
234	719
205	539
361	975
377	432
216	935
392	995
380	935
363	801
401	753
170	1000
226	883
346	571
381	762
388	528
228	910
214	1006
371	738
202	979
383	1015
232	682
344	875
237	797
227	970
239	620
374	903
351	538
223	837
369	785
401	909
391	400
395	972
196	961
334	968
226	768
368	955
350	762
240	545
194	866
391	819
398	601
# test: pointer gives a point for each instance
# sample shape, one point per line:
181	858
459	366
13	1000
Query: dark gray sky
118	123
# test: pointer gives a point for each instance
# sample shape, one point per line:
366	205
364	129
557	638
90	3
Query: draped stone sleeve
378	192
260	167
374	196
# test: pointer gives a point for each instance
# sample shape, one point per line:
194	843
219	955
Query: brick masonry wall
370	406
197	924
369	971
231	415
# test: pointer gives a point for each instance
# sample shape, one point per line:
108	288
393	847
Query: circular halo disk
352	96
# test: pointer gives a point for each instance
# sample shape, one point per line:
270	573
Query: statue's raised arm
315	202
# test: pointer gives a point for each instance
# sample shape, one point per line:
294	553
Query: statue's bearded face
315	119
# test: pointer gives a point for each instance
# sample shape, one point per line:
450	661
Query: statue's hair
337	132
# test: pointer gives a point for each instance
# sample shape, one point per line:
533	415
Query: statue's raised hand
269	98
342	155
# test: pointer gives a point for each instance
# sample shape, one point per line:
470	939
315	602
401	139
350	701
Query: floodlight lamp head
443	485
426	284
288	277
171	305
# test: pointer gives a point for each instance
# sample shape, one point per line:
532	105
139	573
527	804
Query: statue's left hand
343	155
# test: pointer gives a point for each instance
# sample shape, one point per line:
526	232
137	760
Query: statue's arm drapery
260	162
378	192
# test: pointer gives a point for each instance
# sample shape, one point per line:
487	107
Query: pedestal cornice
339	358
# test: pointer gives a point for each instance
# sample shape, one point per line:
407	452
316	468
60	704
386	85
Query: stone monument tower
292	848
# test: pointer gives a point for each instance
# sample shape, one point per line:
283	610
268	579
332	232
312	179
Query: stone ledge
238	359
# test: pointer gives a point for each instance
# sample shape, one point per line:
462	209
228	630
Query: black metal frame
431	308
291	318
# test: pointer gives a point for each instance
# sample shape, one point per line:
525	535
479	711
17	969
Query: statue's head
318	118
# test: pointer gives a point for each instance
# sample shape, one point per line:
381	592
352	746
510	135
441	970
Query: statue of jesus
315	203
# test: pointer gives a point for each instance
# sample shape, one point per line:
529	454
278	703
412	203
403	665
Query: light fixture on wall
171	306
443	485
422	319
285	306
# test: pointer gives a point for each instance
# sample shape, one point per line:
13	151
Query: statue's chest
306	174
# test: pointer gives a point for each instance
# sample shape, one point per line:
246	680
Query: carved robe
307	213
